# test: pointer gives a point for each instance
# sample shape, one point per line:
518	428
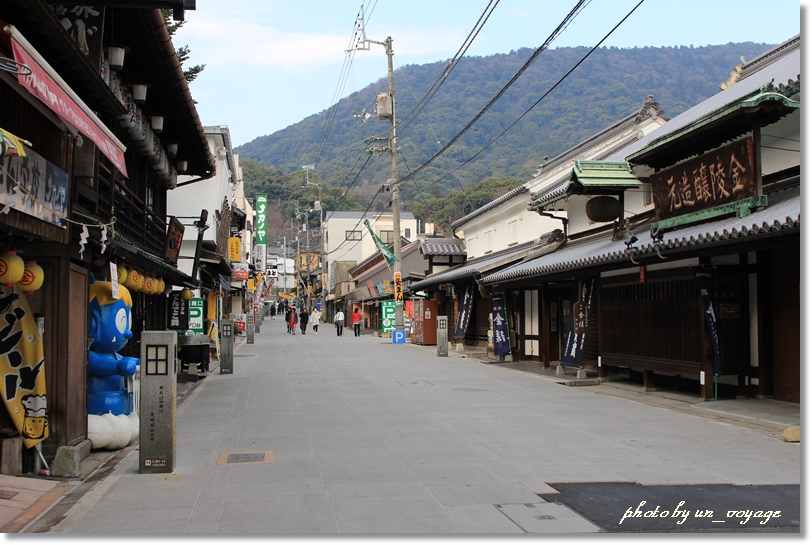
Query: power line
592	50
572	14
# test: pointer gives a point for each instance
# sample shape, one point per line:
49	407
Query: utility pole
363	44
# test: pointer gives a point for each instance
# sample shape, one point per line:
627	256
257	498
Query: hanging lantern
133	280
186	294
149	285
32	279
161	286
11	268
122	274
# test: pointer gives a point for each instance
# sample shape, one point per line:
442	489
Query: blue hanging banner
464	315
579	324
703	277
501	342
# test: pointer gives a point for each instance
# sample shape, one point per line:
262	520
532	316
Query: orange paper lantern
134	280
186	294
149	285
32	279
122	274
11	268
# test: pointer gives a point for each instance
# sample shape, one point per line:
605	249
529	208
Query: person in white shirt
315	317
339	321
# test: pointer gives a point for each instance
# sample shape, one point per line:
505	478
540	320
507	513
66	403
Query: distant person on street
315	318
339	321
293	321
273	311
303	318
356	321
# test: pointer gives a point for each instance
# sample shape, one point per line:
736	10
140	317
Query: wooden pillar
545	326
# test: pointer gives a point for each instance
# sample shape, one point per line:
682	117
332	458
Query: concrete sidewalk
370	437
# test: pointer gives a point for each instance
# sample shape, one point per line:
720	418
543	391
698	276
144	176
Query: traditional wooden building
100	97
705	287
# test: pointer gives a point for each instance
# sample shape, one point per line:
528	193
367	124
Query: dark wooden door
785	297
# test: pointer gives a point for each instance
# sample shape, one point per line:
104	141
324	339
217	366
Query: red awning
44	83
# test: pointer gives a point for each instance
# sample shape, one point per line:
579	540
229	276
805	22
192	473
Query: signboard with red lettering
718	177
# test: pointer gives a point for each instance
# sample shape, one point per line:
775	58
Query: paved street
362	436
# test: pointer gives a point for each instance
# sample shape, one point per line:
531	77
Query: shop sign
398	288
65	103
371	288
178	311
579	325
42	191
262	206
387	316
196	317
174	238
234	248
465	314
718	177
239	271
387	286
501	343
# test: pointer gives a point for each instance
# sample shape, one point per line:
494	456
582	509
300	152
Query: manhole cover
471	389
7	494
226	458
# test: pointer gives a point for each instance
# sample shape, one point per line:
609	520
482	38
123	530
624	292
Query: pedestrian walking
339	321
293	321
315	318
303	318
273	311
287	318
356	321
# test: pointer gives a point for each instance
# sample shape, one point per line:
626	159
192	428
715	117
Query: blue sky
271	63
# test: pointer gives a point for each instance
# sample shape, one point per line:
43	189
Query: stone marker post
157	412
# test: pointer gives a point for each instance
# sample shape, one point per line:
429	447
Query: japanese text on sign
719	177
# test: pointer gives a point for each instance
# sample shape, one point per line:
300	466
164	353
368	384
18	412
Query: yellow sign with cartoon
22	364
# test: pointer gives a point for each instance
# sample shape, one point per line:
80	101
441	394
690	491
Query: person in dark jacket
287	317
303	317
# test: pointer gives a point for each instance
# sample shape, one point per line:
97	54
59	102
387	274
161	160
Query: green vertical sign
262	206
387	316
196	317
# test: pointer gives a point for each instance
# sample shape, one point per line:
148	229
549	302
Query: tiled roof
479	264
443	246
493	204
783	213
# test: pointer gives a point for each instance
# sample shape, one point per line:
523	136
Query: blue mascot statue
112	423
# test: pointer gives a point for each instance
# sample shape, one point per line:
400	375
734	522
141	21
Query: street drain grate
7	494
545	517
227	458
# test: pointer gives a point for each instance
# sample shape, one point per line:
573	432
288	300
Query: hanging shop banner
703	277
35	187
174	238
196	317
22	368
45	84
234	248
464	315
501	342
371	287
178	311
387	316
386	252
398	288
260	259
579	324
262	210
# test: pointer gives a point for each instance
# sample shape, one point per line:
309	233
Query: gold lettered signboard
234	249
398	288
718	177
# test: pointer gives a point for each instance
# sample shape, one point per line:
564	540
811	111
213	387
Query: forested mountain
610	85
